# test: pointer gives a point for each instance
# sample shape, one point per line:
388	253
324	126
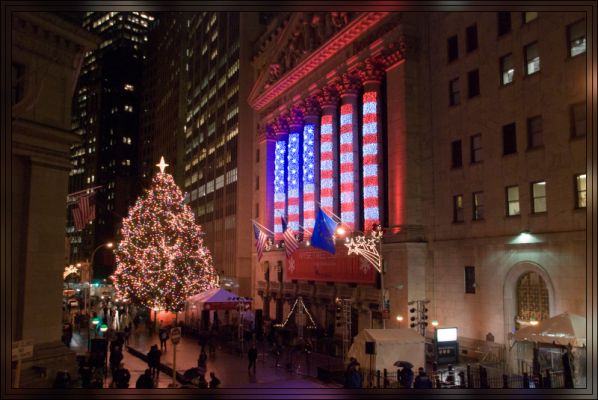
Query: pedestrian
163	338
116	356
214	381
252	356
353	366
145	380
153	361
126	334
422	380
62	380
201	382
121	377
85	371
406	377
202	360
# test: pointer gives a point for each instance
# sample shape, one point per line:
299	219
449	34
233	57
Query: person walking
214	381
145	380
405	377
153	361
121	377
422	380
163	338
252	356
116	356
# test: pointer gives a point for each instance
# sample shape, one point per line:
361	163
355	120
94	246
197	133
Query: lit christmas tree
161	260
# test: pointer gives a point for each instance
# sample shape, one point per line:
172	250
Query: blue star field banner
324	228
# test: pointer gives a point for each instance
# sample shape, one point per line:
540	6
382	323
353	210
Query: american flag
87	205
260	241
290	241
77	217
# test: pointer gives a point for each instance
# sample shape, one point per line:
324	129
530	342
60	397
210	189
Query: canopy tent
218	299
391	345
562	330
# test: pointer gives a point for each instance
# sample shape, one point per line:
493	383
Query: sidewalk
230	368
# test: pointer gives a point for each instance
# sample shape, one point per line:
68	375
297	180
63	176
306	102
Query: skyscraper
106	116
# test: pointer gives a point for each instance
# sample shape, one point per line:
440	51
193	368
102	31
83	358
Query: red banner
313	264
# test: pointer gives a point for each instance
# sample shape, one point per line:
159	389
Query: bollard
438	385
469	380
548	380
525	380
505	381
385	378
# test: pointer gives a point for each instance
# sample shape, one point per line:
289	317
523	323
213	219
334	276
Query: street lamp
108	245
370	248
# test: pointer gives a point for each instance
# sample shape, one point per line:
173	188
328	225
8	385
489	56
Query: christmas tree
161	259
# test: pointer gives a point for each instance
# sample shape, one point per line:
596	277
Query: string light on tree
161	259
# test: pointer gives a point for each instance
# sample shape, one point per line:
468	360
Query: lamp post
108	245
370	248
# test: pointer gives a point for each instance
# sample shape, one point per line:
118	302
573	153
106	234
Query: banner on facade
312	264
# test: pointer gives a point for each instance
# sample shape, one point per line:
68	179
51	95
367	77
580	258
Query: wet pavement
231	367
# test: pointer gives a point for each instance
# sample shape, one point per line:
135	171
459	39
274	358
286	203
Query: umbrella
404	364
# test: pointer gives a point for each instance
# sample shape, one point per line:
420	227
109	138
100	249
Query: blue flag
324	228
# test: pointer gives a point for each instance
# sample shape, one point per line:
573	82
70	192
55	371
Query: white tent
391	345
563	329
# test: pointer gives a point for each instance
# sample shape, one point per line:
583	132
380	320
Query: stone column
295	169
372	146
350	212
328	164
311	157
267	145
281	129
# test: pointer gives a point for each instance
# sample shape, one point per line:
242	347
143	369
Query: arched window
532	299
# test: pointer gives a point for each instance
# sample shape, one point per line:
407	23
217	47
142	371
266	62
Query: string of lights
371	210
346	167
309	209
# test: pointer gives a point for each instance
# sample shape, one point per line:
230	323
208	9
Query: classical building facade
403	120
47	53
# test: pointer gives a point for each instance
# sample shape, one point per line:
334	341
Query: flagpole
261	226
340	221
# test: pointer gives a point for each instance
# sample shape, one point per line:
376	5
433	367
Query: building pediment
307	42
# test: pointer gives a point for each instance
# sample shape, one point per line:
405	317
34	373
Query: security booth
447	346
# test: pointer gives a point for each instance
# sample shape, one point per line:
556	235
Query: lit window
578	119
512	200
539	197
458	208
478	206
580	191
129	87
529	16
576	35
128	108
534	132
506	69
532	59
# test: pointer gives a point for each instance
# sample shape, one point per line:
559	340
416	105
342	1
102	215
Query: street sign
22	350
175	335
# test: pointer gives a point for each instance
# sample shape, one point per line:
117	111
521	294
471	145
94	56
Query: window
458	208
453	48
578	120
471	33
532	299
576	38
476	148
454	92
18	83
473	83
534	132
509	139
504	22
456	155
128	108
532	59
470	279
506	69
539	197
529	16
478	206
512	200
580	191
